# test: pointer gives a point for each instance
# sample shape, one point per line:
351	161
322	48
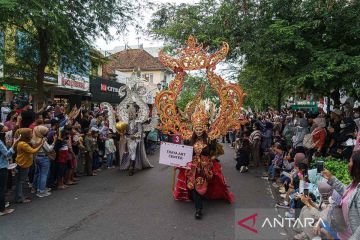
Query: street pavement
113	205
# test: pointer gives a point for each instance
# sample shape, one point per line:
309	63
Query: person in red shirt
318	136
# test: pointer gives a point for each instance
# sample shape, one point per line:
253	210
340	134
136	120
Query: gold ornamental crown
193	57
199	118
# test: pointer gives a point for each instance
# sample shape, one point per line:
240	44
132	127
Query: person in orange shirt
318	137
24	159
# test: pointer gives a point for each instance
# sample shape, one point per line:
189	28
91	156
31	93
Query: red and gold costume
204	172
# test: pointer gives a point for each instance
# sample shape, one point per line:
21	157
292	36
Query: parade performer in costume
133	111
136	155
203	177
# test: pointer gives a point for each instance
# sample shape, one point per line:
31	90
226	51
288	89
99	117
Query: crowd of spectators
293	145
49	149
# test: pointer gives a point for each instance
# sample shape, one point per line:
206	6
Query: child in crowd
110	150
63	156
277	161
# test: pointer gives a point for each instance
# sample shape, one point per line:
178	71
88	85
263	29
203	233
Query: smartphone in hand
306	192
320	166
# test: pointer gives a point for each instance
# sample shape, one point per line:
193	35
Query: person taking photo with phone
350	203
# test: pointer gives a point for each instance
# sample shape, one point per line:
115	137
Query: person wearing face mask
4	163
350	198
203	178
301	129
340	148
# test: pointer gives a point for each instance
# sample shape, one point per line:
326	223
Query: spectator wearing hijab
42	161
350	198
24	159
301	129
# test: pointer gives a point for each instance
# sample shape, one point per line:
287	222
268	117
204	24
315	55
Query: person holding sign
203	177
200	127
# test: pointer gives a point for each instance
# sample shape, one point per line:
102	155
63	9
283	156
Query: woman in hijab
24	159
318	137
301	129
42	161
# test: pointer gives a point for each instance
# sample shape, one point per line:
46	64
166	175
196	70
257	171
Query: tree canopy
279	46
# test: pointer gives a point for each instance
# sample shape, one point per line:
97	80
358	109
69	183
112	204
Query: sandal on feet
71	183
7	211
26	200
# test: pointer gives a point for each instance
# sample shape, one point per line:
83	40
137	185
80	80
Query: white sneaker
300	236
289	215
283	195
44	194
242	168
7	204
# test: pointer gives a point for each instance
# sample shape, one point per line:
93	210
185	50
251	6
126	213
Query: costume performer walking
203	177
133	112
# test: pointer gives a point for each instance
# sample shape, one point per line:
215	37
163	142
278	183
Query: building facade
130	63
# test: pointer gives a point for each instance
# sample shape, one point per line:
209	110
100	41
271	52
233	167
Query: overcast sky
131	37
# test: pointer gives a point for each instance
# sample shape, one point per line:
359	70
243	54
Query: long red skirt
216	189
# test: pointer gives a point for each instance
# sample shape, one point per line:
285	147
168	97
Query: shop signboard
104	90
73	76
8	87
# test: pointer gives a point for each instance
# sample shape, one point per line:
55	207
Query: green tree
279	46
63	30
192	84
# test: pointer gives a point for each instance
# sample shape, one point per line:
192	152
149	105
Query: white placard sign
176	155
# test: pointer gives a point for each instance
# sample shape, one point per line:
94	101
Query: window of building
148	77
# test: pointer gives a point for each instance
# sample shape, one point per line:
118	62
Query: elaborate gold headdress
199	117
194	57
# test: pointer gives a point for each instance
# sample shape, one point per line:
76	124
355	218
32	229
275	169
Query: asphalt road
113	205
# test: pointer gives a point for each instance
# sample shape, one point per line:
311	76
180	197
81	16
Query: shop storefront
103	90
7	91
71	88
